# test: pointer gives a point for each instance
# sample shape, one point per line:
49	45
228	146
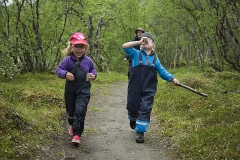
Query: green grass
32	107
95	109
202	128
31	110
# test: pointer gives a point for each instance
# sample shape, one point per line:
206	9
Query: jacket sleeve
130	52
93	70
61	70
164	74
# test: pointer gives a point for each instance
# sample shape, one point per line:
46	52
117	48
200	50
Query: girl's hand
90	77
70	76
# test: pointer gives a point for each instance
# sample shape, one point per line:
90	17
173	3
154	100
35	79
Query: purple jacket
68	62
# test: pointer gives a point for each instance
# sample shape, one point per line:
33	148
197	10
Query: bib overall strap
154	60
140	58
77	63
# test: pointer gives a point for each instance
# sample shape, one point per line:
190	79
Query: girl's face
78	50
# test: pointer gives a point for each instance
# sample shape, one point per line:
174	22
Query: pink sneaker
71	131
76	139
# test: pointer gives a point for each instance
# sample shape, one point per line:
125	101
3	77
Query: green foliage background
197	40
203	33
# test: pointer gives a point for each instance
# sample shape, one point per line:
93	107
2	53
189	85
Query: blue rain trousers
141	90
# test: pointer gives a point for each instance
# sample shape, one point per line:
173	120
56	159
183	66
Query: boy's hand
175	81
142	42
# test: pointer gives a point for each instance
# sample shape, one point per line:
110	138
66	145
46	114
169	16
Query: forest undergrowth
198	127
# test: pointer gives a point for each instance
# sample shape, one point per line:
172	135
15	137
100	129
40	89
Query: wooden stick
193	90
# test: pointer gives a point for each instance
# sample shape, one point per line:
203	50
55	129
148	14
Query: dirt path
108	136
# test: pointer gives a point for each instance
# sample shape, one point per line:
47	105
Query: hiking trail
107	134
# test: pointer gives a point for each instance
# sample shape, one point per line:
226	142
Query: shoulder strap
77	63
154	60
140	57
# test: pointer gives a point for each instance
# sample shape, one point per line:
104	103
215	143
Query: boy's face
78	50
149	46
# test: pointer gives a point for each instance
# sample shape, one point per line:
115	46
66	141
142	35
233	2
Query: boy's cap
78	38
139	29
148	35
